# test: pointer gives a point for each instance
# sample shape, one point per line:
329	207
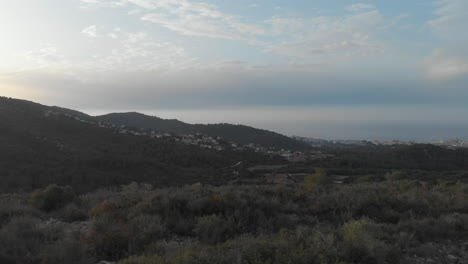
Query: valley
82	189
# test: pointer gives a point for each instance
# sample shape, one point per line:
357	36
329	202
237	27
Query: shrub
448	226
107	238
52	197
20	237
314	181
65	251
212	229
180	225
145	229
144	260
103	208
14	206
361	247
72	213
355	232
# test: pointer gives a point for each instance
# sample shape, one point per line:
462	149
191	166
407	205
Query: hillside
76	191
141	121
42	145
239	134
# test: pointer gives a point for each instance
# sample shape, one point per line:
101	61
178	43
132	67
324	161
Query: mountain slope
41	145
141	121
239	134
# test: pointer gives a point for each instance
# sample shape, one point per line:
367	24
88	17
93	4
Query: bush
212	229
71	213
52	197
237	224
107	238
314	181
355	232
361	247
14	207
103	208
145	230
65	251
21	237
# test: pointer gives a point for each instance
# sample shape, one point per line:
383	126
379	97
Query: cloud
330	36
192	18
133	52
450	60
445	64
91	1
196	19
289	37
192	26
90	31
140	52
103	3
47	56
451	19
359	7
285	25
120	52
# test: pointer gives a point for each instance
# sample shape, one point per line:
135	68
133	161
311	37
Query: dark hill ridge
142	121
239	134
41	145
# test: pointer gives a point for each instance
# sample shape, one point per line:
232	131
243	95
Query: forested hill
42	145
239	134
141	121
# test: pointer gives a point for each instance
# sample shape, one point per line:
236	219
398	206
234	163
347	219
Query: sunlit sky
339	69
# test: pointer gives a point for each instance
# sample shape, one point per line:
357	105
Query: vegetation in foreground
386	222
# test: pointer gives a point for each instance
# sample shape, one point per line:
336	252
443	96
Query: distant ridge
142	121
239	134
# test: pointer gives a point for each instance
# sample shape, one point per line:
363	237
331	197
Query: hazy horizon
349	69
290	122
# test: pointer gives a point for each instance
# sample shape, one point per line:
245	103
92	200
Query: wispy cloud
130	52
45	57
359	7
451	18
196	19
444	64
451	59
141	52
330	36
289	37
90	31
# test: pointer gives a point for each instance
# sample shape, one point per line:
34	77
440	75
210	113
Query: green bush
361	246
314	181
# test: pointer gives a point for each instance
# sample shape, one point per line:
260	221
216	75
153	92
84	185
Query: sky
340	69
